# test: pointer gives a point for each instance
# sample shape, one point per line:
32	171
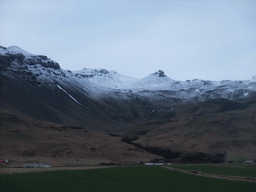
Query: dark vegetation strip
165	153
170	156
119	179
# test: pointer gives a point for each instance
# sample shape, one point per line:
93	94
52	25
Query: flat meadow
136	178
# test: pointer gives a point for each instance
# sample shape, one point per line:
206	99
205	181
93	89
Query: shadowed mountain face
171	119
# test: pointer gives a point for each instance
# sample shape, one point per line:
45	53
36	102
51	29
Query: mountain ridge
173	115
41	68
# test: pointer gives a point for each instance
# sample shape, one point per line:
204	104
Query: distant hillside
46	111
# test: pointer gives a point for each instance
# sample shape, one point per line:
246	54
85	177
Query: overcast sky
211	40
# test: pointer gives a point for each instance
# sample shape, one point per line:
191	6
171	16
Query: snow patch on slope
106	79
69	95
113	80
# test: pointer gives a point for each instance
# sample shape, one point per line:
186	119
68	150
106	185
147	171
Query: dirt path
31	170
227	177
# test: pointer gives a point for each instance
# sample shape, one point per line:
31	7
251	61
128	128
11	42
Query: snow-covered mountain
37	95
39	70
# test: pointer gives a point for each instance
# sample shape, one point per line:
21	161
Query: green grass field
119	179
242	170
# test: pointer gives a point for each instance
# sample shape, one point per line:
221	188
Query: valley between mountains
90	116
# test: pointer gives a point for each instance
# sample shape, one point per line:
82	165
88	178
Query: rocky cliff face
14	56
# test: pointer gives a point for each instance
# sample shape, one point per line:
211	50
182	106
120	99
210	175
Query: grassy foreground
241	170
119	179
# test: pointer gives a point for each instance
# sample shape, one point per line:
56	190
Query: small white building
249	161
161	164
36	165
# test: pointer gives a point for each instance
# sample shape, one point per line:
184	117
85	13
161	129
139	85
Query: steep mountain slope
176	117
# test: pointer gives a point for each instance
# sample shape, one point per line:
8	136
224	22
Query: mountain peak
103	71
159	73
17	50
